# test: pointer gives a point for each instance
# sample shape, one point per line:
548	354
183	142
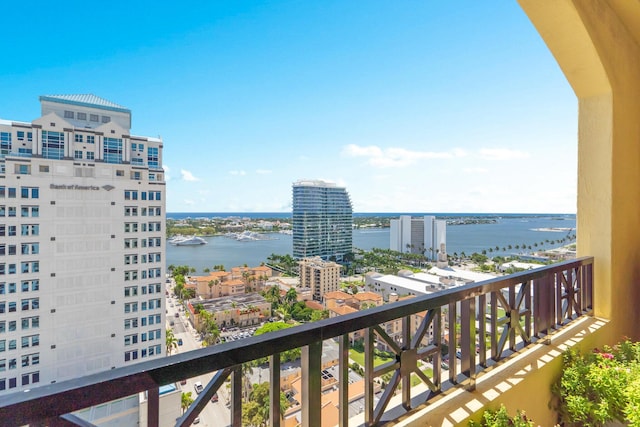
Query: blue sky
414	106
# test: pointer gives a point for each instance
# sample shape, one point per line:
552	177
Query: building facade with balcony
322	220
82	246
320	276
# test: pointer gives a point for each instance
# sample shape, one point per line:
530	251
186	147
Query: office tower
82	247
425	235
322	220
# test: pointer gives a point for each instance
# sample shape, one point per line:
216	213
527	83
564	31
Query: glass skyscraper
322	220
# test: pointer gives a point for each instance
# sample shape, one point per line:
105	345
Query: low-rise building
235	282
234	310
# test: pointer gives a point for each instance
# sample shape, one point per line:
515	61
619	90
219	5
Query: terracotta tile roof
361	296
314	305
337	295
344	309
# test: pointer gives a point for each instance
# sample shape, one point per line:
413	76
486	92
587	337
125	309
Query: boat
188	241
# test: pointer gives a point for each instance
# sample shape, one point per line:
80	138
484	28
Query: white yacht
188	241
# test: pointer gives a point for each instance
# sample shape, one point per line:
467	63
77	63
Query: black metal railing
495	317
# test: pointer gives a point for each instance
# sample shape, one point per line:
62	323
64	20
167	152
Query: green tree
186	401
256	411
170	341
291	296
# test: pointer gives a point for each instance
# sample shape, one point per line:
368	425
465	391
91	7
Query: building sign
73	187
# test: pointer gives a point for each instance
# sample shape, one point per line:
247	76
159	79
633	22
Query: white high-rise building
425	235
82	246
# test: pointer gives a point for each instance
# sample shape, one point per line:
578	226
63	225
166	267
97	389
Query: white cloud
240	173
188	202
395	156
263	171
475	170
188	176
502	154
167	170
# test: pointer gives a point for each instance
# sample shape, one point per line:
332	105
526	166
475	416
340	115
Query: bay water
468	238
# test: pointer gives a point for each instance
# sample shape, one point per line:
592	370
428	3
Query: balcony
499	321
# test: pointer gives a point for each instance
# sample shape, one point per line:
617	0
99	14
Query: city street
214	414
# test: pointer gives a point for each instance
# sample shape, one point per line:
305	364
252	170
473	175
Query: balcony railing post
468	340
406	379
482	329
153	407
236	396
368	377
343	364
453	342
274	390
311	384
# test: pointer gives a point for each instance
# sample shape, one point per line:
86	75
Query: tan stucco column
596	45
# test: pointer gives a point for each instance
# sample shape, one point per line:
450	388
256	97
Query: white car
198	387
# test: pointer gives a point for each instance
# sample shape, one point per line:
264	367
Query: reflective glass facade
322	220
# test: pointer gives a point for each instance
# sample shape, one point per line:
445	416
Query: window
20	135
112	150
52	145
130	195
30	322
130	227
30	248
78	137
77	154
29	230
22	169
131	291
130	339
90	155
130	243
68	114
44	168
153	159
106	119
131	307
12	211
94	117
30	341
91	139
30	303
5	143
24	152
81	116
130	355
131	323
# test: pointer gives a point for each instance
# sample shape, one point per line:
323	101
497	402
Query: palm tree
291	296
247	370
186	401
171	342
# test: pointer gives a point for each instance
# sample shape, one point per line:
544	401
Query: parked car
198	387
179	341
214	399
171	323
197	420
176	315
